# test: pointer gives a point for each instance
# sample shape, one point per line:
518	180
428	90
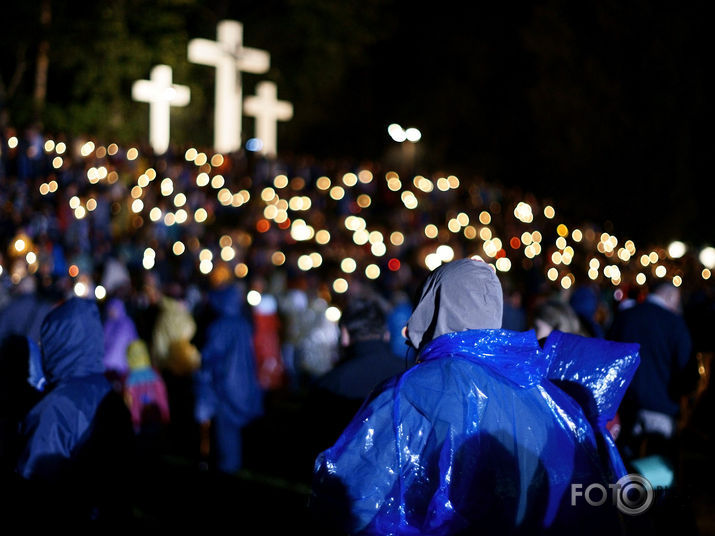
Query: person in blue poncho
227	393
486	433
77	440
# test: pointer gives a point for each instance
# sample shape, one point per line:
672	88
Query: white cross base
230	57
161	94
267	110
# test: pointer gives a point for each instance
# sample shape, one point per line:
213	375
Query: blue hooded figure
227	391
479	437
584	302
78	437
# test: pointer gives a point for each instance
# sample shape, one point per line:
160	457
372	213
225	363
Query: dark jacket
665	348
338	394
366	364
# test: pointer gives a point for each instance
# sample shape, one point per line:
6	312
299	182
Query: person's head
115	309
363	319
668	293
138	355
555	315
461	295
72	340
584	301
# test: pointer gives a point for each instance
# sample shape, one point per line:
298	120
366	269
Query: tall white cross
161	94
267	110
230	58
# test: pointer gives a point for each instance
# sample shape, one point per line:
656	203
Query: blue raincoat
478	438
78	438
72	346
226	386
596	373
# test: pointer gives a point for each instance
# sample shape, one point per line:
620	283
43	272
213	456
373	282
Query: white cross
230	57
267	110
161	94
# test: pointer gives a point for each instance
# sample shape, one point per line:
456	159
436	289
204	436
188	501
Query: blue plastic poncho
72	346
227	381
596	373
477	437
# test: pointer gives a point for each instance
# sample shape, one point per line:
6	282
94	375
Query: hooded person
171	347
476	437
227	393
78	438
119	332
144	391
584	302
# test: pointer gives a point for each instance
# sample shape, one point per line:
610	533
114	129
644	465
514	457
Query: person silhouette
77	440
401	465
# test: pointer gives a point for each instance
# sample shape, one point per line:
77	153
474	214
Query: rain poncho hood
226	300
72	341
460	295
138	355
174	329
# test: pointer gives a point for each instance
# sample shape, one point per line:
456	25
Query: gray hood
458	296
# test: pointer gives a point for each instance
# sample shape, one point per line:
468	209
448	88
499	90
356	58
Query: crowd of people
234	313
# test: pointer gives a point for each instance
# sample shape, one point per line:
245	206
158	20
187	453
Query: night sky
606	105
603	107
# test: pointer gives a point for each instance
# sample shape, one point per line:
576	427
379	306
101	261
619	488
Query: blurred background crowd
304	258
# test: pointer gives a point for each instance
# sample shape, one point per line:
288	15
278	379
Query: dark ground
272	491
